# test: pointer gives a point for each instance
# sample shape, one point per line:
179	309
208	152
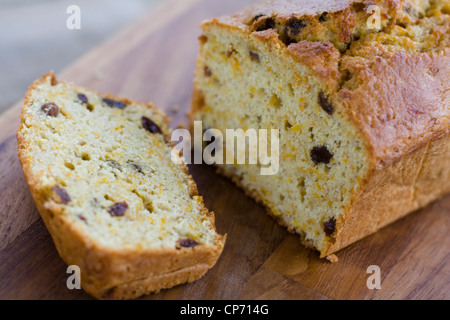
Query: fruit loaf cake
363	108
101	173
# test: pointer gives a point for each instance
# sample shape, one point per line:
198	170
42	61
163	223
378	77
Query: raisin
254	56
287	40
119	209
353	38
81	218
360	6
188	243
150	126
294	27
323	17
231	52
256	18
287	125
62	194
325	104
113	164
321	155
83	98
203	39
208	72
50	109
136	167
114	104
266	25
330	227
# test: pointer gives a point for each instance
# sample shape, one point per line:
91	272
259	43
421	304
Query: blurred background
34	38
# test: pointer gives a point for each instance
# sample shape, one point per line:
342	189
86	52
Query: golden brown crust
155	284
396	99
105	273
323	58
402	140
400	103
408	184
118	274
337	21
364	86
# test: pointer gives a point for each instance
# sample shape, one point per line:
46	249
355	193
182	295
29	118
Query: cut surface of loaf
100	170
363	113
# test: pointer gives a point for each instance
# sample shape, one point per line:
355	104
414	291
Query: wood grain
16	206
154	60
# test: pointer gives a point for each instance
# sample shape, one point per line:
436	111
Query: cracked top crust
339	21
392	82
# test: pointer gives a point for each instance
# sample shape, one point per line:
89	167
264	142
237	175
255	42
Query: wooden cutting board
154	60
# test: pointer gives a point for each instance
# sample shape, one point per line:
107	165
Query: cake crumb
332	258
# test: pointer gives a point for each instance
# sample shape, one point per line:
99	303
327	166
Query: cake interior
110	177
242	84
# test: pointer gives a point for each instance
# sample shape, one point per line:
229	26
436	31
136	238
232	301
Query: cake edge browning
402	162
117	273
